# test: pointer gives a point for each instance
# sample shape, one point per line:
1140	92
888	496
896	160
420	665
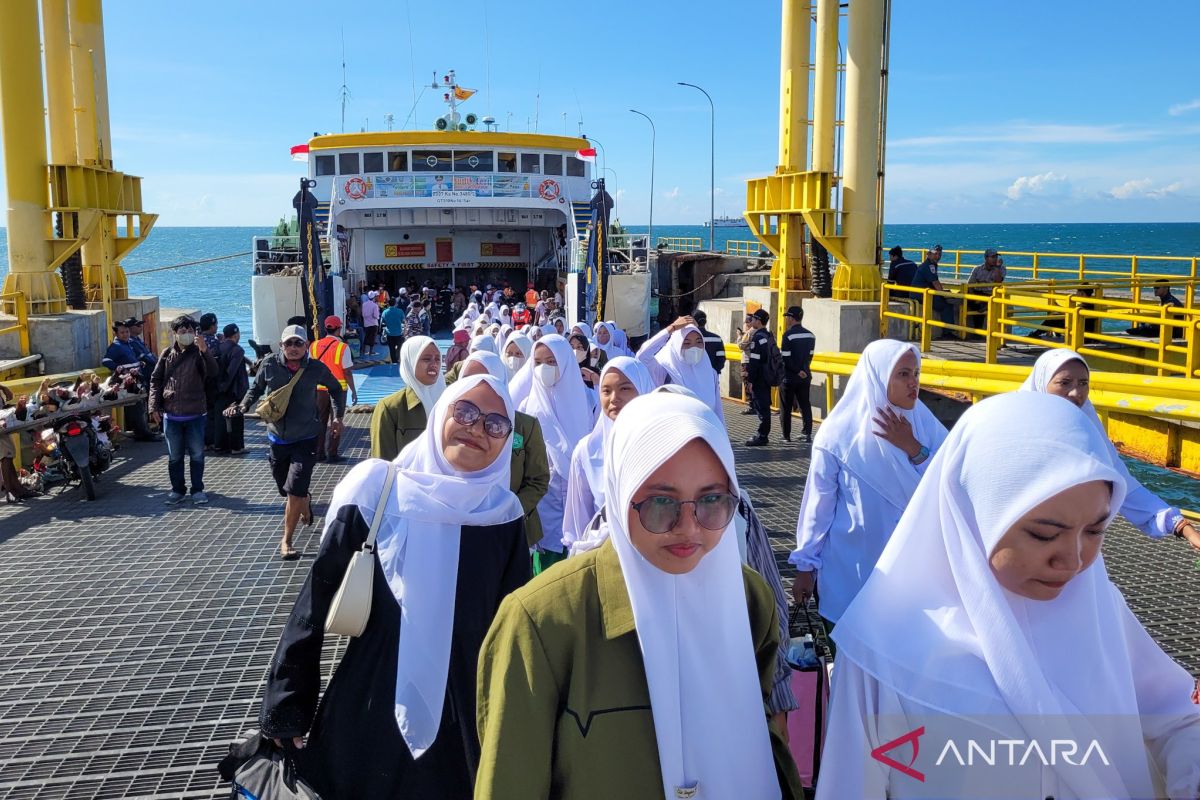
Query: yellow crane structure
799	197
72	203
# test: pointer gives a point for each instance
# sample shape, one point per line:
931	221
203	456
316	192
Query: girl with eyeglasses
396	720
641	668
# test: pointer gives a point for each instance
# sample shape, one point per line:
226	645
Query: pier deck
134	638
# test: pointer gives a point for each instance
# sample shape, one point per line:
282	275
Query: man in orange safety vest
335	354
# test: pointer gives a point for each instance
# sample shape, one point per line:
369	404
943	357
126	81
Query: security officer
713	345
759	353
797	351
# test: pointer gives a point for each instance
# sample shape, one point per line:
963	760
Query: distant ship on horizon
728	222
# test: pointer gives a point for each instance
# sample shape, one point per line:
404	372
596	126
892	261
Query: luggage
258	770
810	686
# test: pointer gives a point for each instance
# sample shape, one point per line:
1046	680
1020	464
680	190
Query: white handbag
351	606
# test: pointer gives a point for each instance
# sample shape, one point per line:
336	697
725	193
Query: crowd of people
576	597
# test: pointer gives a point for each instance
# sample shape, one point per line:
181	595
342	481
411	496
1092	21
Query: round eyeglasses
661	514
466	413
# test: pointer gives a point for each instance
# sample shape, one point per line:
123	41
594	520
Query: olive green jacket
563	706
453	373
400	418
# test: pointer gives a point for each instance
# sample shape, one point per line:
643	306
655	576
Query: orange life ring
356	188
549	190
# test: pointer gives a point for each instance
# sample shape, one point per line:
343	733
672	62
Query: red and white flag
300	152
587	154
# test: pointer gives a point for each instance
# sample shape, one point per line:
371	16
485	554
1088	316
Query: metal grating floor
134	638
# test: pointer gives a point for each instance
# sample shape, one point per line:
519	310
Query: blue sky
1024	111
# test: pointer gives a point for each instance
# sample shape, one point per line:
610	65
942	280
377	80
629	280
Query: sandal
289	554
307	516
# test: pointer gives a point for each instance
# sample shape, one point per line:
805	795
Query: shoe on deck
757	441
199	498
175	498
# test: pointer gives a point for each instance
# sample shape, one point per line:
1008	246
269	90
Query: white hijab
501	336
694	629
581	327
472	312
410	351
848	434
610	348
482	342
934	624
594	447
491	362
418	548
524	344
701	378
563	408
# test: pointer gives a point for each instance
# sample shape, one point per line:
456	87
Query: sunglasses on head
466	413
660	514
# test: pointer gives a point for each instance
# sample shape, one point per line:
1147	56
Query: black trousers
795	393
762	406
394	343
230	432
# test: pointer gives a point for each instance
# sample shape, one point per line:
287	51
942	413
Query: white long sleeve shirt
646	354
579	505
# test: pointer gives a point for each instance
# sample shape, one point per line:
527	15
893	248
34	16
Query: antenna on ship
345	90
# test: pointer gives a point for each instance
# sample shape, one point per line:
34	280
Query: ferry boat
728	222
450	206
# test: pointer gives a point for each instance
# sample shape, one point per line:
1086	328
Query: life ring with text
549	190
356	188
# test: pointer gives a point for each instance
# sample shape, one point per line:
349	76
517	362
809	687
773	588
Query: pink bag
806	725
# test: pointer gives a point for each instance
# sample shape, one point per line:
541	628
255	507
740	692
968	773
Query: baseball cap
129	323
230	330
293	332
332	322
991	251
371	295
762	316
795	312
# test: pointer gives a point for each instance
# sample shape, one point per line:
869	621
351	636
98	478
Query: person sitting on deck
926	277
122	351
1162	290
900	269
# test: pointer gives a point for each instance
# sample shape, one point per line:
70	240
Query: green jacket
400	418
453	373
397	420
562	658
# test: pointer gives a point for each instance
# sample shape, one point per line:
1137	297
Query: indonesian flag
587	154
300	152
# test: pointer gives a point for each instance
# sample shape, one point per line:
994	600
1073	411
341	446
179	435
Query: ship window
398	161
531	162
372	162
506	162
473	160
431	160
347	163
553	163
325	165
575	167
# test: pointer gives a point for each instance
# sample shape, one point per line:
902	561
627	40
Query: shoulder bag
351	606
272	407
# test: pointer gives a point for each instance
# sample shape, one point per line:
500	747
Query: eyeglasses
661	514
294	343
466	413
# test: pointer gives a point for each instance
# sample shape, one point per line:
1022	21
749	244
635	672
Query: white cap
293	332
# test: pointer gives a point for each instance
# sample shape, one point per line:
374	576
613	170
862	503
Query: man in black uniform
713	345
797	350
756	370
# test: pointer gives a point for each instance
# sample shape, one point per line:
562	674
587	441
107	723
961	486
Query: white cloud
1143	188
671	195
1025	133
1047	184
1182	108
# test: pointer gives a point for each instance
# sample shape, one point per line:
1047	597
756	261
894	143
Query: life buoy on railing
356	188
549	190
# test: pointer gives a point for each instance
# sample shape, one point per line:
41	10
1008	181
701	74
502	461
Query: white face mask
693	355
546	374
514	362
185	339
580	355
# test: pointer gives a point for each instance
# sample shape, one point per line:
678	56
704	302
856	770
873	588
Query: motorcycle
75	448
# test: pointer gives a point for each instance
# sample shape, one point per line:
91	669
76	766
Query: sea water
223	286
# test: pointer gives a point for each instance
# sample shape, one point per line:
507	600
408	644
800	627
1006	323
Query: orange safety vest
329	351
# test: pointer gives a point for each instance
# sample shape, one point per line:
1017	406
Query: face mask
692	355
580	355
546	374
514	362
185	339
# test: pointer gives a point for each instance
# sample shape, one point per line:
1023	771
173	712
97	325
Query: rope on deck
191	263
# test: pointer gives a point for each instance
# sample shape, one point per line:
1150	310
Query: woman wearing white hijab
991	618
502	336
559	400
622	379
506	316
640	669
396	720
620	339
517	349
867	458
400	417
676	354
1066	374
483	343
605	337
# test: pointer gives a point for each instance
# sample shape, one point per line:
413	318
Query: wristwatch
921	455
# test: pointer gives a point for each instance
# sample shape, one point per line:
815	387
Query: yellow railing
746	249
1067	314
1028	265
685	244
15	302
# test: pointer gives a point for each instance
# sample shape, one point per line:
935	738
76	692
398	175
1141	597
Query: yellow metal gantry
800	195
99	209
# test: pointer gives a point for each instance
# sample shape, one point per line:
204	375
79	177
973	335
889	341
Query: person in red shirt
520	316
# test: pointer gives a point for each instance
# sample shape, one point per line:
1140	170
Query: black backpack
773	370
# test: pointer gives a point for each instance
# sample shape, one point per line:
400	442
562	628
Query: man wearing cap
983	280
232	385
714	345
758	353
335	354
926	277
293	437
794	390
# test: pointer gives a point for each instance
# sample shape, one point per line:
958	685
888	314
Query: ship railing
276	253
14	303
1029	265
1069	314
681	244
747	249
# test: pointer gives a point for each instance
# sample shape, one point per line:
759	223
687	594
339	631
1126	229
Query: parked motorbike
75	448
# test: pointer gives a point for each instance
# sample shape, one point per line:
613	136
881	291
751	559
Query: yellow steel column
59	83
789	273
23	130
825	86
87	31
859	279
